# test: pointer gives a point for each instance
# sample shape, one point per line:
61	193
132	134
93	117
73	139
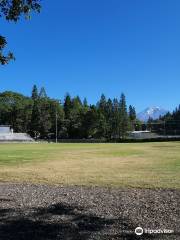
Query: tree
12	10
34	94
56	113
42	93
85	103
101	126
115	119
67	105
37	115
90	123
73	119
132	117
4	59
132	113
15	110
103	116
102	104
109	118
44	117
123	124
41	121
35	119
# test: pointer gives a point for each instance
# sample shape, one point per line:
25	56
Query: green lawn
144	165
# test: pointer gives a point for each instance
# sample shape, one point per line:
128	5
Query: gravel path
41	212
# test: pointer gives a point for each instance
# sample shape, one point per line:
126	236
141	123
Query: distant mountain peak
153	112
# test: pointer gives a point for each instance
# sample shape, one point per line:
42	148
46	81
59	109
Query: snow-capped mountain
151	112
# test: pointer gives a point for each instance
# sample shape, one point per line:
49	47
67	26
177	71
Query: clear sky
89	47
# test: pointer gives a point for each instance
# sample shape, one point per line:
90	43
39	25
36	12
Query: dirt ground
43	212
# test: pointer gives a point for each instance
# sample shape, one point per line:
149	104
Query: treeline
43	117
169	124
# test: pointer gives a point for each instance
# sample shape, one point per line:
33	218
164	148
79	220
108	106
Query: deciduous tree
13	10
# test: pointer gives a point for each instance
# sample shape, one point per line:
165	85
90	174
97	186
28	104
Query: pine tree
85	103
67	105
44	117
115	119
124	123
56	117
35	119
90	123
75	121
42	93
102	104
132	117
103	118
132	113
34	94
109	118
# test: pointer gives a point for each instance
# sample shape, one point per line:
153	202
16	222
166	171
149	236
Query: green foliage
12	10
132	113
42	93
132	117
123	124
56	111
4	59
15	110
89	123
67	105
34	94
38	114
85	103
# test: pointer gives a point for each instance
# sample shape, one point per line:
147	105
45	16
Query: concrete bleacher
15	137
7	135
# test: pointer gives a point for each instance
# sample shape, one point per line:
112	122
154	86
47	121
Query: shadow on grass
61	221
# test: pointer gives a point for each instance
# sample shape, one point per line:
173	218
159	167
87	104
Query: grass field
144	165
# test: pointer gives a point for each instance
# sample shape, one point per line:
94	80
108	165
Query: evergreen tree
124	123
34	94
85	103
75	122
37	115
40	119
90	123
77	101
35	119
67	105
56	113
109	118
132	113
132	117
102	104
103	118
44	118
101	125
42	93
115	119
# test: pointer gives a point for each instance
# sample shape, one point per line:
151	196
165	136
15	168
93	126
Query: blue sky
98	46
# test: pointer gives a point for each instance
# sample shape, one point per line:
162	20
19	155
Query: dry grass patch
142	165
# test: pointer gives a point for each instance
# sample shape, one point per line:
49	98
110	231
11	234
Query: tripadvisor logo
139	231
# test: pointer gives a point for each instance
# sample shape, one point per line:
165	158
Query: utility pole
56	128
